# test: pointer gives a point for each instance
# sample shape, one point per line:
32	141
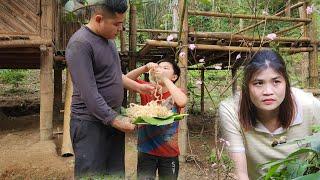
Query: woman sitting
266	109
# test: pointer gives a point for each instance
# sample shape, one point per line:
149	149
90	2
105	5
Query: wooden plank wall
20	17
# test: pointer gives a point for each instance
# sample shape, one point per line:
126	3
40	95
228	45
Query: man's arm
134	74
78	56
134	86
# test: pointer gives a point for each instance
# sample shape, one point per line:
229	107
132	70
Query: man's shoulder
80	36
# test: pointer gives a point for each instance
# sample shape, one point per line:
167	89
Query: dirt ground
23	156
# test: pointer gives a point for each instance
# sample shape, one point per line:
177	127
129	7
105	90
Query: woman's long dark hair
260	61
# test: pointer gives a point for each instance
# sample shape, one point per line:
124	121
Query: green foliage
14	77
304	161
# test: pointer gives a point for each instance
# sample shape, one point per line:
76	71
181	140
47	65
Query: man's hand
123	124
146	88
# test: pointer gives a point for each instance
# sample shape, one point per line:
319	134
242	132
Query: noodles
152	109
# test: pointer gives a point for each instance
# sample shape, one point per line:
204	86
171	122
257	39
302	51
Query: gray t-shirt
94	64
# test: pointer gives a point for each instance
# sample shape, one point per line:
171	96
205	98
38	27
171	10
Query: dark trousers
99	149
168	167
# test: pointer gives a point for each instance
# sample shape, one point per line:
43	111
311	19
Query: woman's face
267	90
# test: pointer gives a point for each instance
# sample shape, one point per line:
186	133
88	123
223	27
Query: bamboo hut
32	34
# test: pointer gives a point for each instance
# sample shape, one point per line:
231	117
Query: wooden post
234	84
132	45
123	67
202	92
183	64
46	92
313	55
304	64
66	148
288	9
123	40
57	101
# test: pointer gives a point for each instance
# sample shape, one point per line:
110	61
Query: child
158	145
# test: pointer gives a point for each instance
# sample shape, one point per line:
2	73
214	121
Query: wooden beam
157	31
245	16
299	4
226	48
25	43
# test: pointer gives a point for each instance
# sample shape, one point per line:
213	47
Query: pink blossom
310	9
170	37
238	56
182	54
227	143
265	12
201	60
272	36
192	46
213	165
198	82
221	140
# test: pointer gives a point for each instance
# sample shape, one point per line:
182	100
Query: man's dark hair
109	6
175	67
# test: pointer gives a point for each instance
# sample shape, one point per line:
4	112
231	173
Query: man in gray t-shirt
97	131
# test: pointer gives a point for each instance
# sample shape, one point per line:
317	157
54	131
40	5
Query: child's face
168	71
267	90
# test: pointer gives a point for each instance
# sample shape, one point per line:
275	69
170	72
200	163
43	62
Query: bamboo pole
157	31
57	101
66	148
202	92
289	28
25	43
299	4
230	36
245	16
46	92
123	40
288	9
234	83
304	64
183	64
227	48
132	45
313	56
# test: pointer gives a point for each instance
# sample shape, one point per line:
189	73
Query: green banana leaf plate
159	121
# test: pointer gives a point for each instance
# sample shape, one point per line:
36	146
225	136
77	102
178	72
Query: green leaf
315	176
297	168
157	122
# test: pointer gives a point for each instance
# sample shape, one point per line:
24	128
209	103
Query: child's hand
151	66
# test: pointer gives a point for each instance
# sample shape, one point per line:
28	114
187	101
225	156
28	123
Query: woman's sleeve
316	116
230	127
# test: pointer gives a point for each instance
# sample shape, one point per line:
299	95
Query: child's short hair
175	67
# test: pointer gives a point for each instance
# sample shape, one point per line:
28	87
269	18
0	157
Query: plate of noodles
152	114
